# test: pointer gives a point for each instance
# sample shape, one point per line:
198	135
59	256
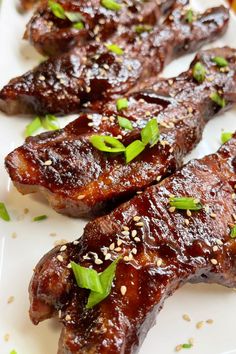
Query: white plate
19	255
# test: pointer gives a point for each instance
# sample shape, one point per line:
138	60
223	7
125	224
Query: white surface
19	256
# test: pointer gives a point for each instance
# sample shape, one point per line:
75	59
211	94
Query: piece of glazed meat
52	35
79	180
61	85
161	248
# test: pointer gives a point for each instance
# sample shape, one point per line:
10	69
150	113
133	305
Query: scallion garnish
78	25
13	352
115	49
122	103
189	17
111	5
40	218
187	346
50	122
107	143
226	136
150	133
143	28
87	278
99	283
233	232
220	101
199	72
220	61
73	16
33	127
125	123
4	213
185	203
57	9
133	150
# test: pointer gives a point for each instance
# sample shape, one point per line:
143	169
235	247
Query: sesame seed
186	222
159	262
112	246
196	201
210	321
47	163
134	233
188	212
136	218
68	266
123	290
170	82
134	250
10	299
186	317
171	150
213	215
98	261
6	337
81	196
107	256
126	228
140	224
126	258
214	261
90	124
117	249
119	242
191	341
234	216
219	242
199	325
233	195
14	235
63	248
158	178
125	233
137	239
68	318
178	348
60	258
59	313
172	209
215	248
75	243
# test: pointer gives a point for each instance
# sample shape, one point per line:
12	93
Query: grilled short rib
51	35
62	84
79	180
161	250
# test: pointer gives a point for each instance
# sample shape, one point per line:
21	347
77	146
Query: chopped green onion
125	123
4	213
32	127
185	203
13	352
220	101
115	49
122	103
220	61
189	16
187	346
150	133
73	16
107	143
199	72
143	28
78	25
106	279
233	232
133	150
226	136
57	9
50	122
87	278
111	5
40	218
